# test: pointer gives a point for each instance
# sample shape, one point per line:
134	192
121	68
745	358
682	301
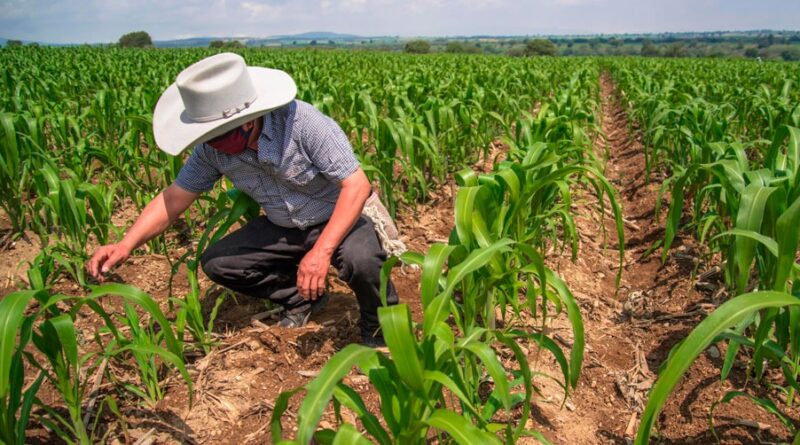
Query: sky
97	21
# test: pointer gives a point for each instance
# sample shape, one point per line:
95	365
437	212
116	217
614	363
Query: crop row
728	138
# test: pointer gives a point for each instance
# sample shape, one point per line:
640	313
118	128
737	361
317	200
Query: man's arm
156	217
313	269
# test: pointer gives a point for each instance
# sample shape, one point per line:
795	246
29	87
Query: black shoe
300	318
373	341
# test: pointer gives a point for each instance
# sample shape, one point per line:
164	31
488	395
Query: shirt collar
267	129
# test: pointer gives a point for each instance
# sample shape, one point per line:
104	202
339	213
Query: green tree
649	50
540	47
516	51
230	44
766	42
674	50
751	53
138	39
454	47
418	47
791	54
14	43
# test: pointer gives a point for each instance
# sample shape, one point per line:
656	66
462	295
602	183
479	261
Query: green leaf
348	435
788	237
765	404
495	369
349	398
12	308
474	261
751	213
320	389
143	300
460	429
766	241
168	357
281	405
432	271
396	326
697	341
574	316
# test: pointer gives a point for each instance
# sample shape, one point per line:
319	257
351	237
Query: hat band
226	113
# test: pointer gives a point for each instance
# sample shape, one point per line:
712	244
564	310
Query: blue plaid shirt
302	158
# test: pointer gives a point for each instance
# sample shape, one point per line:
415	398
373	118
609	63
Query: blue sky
78	21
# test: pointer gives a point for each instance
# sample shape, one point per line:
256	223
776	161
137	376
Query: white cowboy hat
213	96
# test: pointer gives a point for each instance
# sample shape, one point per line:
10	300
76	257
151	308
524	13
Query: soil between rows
629	332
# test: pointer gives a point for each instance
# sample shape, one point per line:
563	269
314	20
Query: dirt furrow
630	329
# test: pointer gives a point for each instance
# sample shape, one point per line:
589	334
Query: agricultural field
602	250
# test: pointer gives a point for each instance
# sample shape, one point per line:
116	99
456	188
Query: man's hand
312	274
107	257
155	218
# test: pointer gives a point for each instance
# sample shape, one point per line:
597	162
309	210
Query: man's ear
247	126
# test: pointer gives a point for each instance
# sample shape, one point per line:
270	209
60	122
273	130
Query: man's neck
252	143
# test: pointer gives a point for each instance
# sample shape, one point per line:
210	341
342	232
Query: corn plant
15	171
56	339
151	344
16	401
190	310
60	362
424	385
73	210
716	325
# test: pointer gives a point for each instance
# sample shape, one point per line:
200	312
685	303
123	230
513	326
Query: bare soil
629	330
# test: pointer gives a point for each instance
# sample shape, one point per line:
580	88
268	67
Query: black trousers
261	260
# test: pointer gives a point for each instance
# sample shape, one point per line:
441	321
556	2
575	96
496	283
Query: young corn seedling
717	324
15	170
151	344
16	399
190	310
56	338
422	389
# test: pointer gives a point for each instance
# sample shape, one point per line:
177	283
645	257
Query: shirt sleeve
329	150
200	172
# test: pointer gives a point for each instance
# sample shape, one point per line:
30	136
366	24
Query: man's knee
362	261
215	265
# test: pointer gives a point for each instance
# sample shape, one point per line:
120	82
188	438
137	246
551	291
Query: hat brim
175	131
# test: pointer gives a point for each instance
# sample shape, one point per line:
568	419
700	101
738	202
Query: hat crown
216	87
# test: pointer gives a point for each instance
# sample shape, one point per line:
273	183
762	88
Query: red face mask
232	142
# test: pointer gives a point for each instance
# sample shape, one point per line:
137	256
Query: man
294	161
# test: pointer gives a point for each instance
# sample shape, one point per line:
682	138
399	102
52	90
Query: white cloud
262	11
572	2
354	5
482	4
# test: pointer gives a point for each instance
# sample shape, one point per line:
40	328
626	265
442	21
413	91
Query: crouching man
297	163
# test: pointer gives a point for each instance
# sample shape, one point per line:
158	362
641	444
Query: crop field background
602	250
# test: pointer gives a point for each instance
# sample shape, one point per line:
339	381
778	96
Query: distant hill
195	42
319	35
3	41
